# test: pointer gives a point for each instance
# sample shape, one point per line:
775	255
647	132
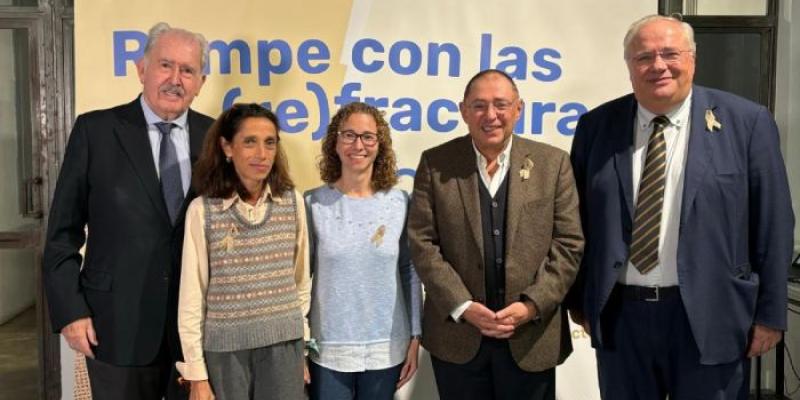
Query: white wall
787	104
792	338
789	82
787	115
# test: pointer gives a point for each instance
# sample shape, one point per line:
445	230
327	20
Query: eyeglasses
481	106
669	56
349	137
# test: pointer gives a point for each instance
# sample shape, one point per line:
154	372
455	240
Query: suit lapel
699	154
197	132
519	188
132	135
468	181
622	141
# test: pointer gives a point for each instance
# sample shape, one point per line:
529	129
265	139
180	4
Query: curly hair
384	169
215	177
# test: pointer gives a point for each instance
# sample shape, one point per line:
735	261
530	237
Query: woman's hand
201	390
410	366
306	374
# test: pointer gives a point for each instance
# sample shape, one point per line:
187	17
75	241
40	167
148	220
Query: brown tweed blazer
544	244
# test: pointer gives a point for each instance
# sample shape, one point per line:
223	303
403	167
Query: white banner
412	58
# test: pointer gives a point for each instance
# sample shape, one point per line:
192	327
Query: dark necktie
170	171
650	202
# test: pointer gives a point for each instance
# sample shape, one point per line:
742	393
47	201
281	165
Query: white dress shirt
676	134
492	183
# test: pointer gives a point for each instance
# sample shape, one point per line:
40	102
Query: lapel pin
228	240
525	171
377	238
711	121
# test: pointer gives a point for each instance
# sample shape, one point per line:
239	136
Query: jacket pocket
742	271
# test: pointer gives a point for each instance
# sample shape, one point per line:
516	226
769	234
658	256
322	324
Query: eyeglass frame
358	136
500	106
668	56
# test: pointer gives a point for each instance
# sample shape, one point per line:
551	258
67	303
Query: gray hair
635	27
158	30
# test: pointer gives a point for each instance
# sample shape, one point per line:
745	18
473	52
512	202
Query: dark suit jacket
130	275
736	224
543	248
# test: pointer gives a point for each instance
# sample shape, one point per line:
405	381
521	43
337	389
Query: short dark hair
216	177
486	72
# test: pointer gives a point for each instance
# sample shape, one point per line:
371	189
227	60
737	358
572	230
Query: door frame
50	27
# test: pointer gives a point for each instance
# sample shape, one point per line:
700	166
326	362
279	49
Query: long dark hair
215	177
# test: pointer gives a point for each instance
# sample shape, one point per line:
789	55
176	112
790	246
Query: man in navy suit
126	175
688	221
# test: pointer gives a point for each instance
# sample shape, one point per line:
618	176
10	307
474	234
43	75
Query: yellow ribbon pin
228	240
377	238
711	121
525	172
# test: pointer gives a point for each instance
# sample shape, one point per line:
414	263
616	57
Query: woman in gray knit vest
366	302
245	282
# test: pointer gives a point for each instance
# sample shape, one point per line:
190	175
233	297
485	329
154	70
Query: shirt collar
677	116
502	158
152	118
267	195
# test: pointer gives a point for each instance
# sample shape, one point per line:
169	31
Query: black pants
150	382
492	374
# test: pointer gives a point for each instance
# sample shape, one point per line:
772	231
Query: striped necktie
650	202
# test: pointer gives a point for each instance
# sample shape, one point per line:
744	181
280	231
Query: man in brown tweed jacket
495	236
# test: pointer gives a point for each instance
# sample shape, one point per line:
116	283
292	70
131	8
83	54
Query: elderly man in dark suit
688	221
495	235
126	176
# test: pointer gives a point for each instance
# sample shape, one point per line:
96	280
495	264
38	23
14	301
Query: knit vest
493	224
252	298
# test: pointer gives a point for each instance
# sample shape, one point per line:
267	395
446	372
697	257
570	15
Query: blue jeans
327	384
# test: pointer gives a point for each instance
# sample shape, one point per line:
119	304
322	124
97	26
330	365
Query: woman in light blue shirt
366	296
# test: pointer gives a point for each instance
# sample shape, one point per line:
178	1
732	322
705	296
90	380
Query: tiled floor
18	368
